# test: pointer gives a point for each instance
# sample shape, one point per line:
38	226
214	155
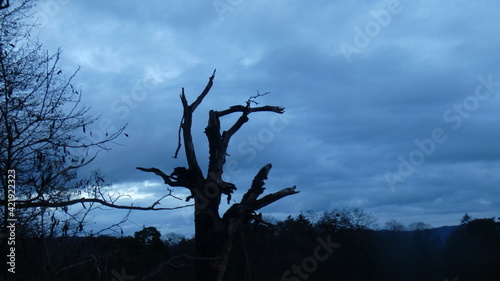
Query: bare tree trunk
212	246
248	261
214	235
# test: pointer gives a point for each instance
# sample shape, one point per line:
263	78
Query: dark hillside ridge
293	250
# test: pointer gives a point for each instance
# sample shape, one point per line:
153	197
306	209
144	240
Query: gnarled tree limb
242	108
257	187
249	203
186	123
273	197
166	178
219	143
250	200
200	98
25	204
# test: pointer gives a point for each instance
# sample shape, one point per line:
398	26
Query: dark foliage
293	249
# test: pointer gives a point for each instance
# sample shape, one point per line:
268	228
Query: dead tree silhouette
214	233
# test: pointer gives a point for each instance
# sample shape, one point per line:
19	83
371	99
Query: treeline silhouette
338	245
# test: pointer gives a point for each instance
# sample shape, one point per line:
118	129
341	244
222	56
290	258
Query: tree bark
214	235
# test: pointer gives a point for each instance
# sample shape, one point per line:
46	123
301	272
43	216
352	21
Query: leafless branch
257	187
166	178
273	197
25	204
250	198
186	123
241	108
200	98
252	98
111	227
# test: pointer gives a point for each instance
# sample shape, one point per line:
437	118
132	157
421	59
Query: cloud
347	123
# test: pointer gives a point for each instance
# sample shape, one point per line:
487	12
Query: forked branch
242	212
250	198
185	126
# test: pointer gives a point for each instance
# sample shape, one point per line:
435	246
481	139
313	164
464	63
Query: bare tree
46	130
46	139
346	218
214	233
394	225
44	126
416	226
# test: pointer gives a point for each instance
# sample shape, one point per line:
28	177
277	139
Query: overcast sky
391	106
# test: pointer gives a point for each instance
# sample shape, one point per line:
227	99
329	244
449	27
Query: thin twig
252	98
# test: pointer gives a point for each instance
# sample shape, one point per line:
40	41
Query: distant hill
443	233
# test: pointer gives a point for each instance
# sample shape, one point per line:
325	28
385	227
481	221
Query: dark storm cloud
405	102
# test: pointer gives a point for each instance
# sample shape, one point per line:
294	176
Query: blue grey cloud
351	118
